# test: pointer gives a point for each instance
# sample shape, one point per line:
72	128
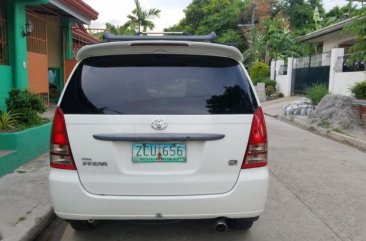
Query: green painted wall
67	38
17	43
66	41
27	145
6	73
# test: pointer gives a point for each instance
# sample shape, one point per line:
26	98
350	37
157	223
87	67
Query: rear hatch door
158	124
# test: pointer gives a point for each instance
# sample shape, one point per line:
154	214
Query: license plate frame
166	151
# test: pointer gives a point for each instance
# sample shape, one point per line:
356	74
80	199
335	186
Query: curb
40	224
31	231
25	203
338	137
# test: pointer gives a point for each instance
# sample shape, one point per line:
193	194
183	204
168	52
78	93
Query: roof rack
108	37
162	33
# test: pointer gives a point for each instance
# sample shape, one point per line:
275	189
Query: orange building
38	42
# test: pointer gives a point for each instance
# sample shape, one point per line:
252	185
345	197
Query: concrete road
317	192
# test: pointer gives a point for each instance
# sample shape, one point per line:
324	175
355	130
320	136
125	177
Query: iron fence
310	70
347	63
282	70
318	60
82	36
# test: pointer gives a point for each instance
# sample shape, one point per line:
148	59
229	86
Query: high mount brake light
60	151
256	153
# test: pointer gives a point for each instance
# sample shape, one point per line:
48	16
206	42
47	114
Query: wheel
82	225
240	223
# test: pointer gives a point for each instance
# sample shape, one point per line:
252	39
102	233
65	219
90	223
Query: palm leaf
8	121
153	13
142	18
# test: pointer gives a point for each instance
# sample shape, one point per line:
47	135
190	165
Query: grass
338	130
21	127
8	121
324	124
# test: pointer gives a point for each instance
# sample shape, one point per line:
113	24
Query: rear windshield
158	84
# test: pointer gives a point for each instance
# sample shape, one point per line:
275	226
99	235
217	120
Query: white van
159	129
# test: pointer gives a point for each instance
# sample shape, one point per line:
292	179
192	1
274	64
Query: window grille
37	40
3	37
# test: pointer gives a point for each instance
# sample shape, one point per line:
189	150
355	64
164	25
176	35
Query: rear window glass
158	84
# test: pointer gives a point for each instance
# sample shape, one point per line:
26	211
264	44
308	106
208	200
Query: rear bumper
72	201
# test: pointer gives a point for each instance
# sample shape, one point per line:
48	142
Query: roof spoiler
108	37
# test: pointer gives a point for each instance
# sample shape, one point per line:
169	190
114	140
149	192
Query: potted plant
359	101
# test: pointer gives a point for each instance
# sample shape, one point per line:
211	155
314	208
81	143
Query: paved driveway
317	192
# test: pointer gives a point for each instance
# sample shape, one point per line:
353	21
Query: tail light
60	151
256	153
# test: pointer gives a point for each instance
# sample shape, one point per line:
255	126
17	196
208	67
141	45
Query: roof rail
108	37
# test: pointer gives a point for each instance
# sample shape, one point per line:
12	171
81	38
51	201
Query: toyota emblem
159	124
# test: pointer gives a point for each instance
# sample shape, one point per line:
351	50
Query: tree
141	18
120	29
300	13
279	40
221	16
339	13
358	28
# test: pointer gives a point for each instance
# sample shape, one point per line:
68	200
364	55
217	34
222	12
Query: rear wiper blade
102	109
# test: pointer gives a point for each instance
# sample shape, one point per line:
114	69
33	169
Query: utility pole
252	26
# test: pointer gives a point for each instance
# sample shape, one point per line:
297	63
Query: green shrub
270	90
259	70
267	81
316	93
359	90
257	80
26	105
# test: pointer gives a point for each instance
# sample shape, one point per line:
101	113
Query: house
331	67
38	41
330	37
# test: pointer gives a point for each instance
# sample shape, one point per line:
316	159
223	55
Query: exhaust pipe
93	223
221	225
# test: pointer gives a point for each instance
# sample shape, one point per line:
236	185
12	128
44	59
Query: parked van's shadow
162	230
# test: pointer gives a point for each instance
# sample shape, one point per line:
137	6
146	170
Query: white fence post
336	52
288	88
272	69
278	66
261	91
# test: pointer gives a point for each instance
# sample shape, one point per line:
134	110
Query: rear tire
82	225
240	223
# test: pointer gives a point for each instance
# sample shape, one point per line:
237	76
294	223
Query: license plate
150	153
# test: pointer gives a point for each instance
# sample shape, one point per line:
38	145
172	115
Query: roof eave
83	15
327	30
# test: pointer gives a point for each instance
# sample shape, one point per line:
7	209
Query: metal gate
310	70
37	56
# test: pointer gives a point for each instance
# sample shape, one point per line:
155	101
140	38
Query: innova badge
159	124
